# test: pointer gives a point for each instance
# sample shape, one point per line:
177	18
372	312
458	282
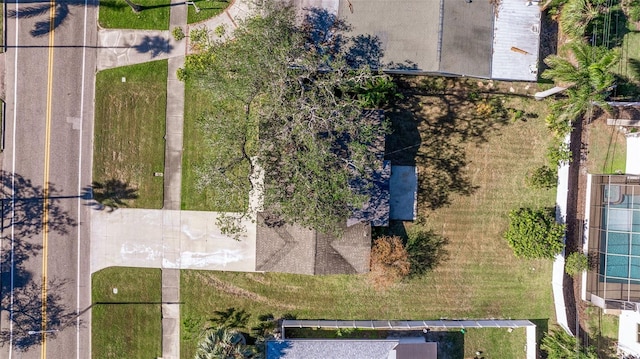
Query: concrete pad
170	341
171	311
633	148
127	47
154	239
467	37
403	188
409	29
628	332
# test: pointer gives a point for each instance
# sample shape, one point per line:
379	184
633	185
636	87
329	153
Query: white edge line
82	94
13	181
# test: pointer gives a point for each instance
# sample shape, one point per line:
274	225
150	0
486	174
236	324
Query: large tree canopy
291	102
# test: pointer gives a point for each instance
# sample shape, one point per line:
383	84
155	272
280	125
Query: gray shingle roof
294	249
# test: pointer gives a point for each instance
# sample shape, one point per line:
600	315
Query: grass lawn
131	327
607	148
129	129
603	331
208	9
197	150
116	14
488	160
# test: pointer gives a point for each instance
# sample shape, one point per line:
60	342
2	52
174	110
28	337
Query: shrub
199	38
178	33
425	249
534	233
576	263
560	345
542	177
559	154
389	262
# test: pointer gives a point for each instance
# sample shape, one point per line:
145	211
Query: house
291	248
479	38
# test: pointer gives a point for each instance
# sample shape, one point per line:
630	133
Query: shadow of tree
230	318
426	249
26	314
365	50
62	12
23	207
156	45
324	31
110	195
432	128
25	216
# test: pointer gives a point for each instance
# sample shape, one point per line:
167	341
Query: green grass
131	327
130	128
630	53
603	331
481	277
116	14
495	343
208	9
197	150
607	148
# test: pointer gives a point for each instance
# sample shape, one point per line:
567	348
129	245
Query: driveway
168	239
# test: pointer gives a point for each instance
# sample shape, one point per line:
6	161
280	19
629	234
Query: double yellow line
47	156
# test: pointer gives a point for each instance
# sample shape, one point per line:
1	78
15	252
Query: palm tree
576	16
224	343
589	78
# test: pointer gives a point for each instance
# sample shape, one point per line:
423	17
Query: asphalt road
46	165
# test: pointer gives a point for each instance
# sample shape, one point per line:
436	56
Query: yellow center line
45	209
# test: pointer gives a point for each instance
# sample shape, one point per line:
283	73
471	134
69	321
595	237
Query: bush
558	344
178	33
425	249
576	263
559	154
542	177
534	233
389	262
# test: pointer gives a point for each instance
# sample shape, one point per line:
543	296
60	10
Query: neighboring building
404	344
466	38
399	348
613	237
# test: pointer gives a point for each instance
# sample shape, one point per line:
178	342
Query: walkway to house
169	239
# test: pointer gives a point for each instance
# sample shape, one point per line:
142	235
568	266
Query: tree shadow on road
26	316
22	218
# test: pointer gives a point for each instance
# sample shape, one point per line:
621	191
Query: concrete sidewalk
169	239
118	47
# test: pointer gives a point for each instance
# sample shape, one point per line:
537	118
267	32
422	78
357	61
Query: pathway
169	239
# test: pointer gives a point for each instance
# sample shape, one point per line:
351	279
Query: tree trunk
135	7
